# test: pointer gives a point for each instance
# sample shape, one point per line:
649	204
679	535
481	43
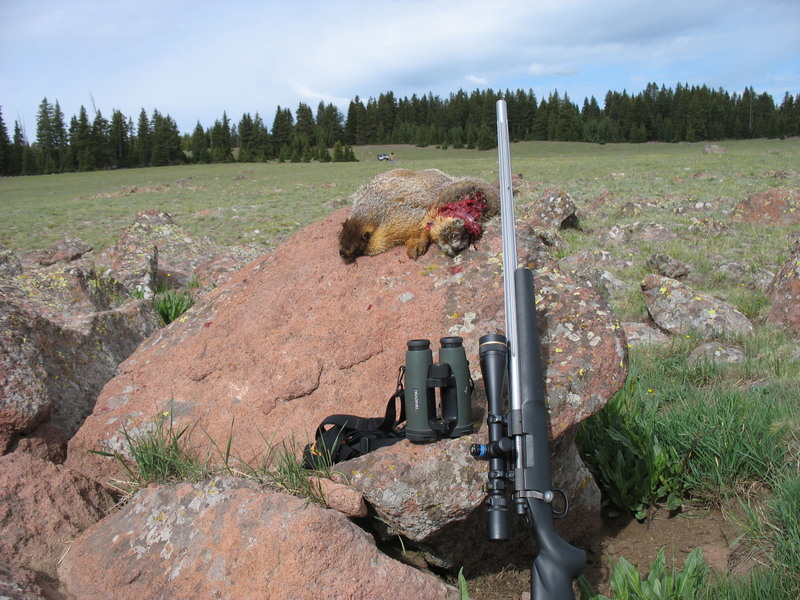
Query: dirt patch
711	529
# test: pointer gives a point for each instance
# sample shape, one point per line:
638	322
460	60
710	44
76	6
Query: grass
711	433
159	452
686	432
171	304
262	203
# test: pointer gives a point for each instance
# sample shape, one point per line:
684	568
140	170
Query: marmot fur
415	209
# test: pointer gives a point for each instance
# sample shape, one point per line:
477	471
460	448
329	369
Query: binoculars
451	376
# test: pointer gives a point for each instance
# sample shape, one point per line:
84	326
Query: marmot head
353	240
451	235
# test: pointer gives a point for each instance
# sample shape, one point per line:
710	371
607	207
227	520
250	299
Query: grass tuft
160	452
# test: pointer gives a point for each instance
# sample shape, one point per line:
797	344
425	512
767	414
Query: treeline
461	120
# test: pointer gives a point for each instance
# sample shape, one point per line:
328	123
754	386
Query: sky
194	60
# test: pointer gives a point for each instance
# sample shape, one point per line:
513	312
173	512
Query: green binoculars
451	376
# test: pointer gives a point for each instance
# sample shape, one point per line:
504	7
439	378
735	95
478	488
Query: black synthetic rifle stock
518	448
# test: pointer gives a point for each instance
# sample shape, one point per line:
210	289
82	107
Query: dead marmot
415	209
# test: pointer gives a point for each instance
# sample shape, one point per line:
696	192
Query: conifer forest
94	141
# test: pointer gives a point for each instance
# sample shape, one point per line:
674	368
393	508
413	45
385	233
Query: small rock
555	209
679	309
716	353
776	206
784	292
344	498
668	266
642	334
713	149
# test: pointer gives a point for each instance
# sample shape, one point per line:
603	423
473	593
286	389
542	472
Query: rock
297	335
338	496
67	250
156	252
231	538
680	310
631	209
784	292
713	149
43	507
24	399
420	488
716	354
591	268
642	334
62	343
464	543
518	184
667	266
776	206
747	275
650	232
555	209
9	263
655	232
17	583
67	293
428	495
45	442
710	228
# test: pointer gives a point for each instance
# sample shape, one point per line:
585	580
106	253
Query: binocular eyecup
451	376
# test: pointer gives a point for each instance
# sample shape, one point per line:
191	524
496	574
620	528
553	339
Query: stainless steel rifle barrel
509	232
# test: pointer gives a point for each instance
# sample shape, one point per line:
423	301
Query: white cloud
313	96
540	70
477	80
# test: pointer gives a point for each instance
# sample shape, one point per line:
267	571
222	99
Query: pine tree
142	146
199	145
338	152
167	148
18	149
5	149
83	143
247	139
220	147
351	124
119	140
100	135
60	137
46	139
304	126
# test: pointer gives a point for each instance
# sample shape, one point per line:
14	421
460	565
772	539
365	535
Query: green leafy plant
662	583
171	304
463	587
621	447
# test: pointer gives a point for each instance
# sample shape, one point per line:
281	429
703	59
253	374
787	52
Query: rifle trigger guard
547	496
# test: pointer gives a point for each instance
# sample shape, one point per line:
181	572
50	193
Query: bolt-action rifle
518	450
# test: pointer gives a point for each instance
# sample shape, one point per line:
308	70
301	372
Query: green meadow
261	203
